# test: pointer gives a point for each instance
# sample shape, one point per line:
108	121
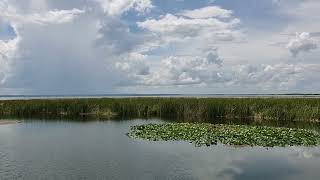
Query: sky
159	46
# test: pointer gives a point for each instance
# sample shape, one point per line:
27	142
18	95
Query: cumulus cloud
57	52
207	72
54	16
89	46
184	70
274	77
133	65
172	23
207	12
176	28
198	29
7	51
303	42
188	29
117	7
189	32
8	47
71	50
114	36
253	74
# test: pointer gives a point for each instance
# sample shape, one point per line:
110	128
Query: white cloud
55	16
172	23
195	34
114	36
118	7
54	55
133	65
60	48
7	51
207	12
277	77
267	74
50	17
184	70
6	47
107	43
177	28
301	43
207	72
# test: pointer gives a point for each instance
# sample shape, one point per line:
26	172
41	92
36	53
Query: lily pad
210	134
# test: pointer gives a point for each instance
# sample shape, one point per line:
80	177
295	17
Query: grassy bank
210	134
186	109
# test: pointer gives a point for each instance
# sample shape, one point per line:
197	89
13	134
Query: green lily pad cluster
210	134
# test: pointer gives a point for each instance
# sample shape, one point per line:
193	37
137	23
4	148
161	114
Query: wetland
169	138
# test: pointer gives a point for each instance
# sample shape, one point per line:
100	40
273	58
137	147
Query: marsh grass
209	134
183	109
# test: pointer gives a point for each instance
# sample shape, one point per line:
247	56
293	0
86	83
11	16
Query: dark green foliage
209	134
185	109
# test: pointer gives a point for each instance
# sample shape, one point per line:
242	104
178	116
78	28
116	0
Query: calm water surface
101	150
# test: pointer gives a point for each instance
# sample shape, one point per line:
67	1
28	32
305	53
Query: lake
52	149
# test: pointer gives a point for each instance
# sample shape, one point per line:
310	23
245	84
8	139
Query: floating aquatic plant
210	134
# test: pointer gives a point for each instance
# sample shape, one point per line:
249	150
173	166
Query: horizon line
154	94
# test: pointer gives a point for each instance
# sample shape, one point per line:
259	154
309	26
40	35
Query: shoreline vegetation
204	134
197	120
186	109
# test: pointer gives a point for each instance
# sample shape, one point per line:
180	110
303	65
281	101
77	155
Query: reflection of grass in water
4	122
209	134
185	109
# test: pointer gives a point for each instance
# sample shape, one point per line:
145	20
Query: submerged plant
211	134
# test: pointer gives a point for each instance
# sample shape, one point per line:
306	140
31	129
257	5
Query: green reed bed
209	134
185	109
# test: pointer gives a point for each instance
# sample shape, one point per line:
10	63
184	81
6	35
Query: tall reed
186	109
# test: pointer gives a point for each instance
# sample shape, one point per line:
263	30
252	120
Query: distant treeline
186	109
